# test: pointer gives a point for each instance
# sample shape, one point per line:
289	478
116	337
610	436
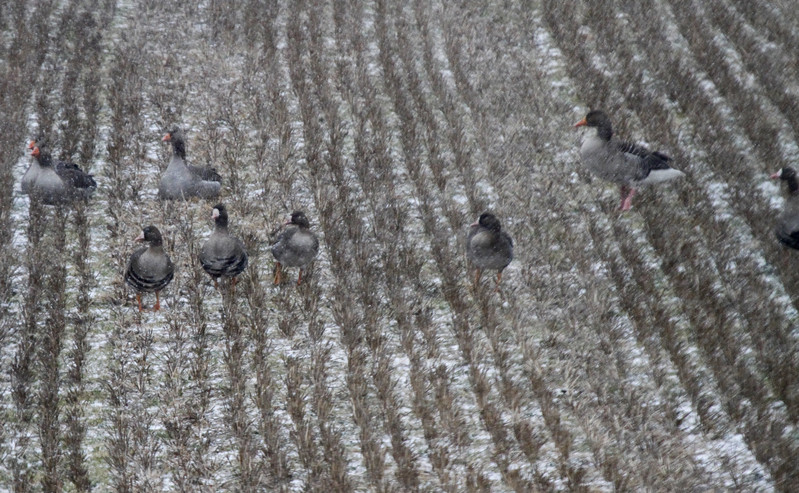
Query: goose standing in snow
55	182
296	246
787	228
149	268
627	164
223	255
182	181
488	247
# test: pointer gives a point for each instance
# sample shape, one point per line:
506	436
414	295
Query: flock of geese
488	247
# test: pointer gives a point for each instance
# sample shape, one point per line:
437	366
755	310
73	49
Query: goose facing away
624	163
149	268
55	182
296	246
223	255
488	246
787	227
182	181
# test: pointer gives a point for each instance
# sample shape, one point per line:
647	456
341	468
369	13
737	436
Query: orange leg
157	302
499	279
138	300
216	283
299	277
278	276
477	276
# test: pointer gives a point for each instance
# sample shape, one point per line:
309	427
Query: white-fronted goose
149	268
787	228
182	181
223	255
624	163
295	247
488	247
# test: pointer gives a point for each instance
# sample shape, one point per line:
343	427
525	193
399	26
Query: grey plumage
55	182
488	246
181	181
296	246
624	163
223	255
787	226
149	268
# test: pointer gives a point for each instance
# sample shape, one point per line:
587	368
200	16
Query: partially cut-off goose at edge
787	227
488	246
182	181
223	255
149	268
296	246
624	163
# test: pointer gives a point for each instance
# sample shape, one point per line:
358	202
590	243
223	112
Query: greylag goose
223	255
57	182
33	171
295	247
183	181
488	247
149	268
787	229
624	163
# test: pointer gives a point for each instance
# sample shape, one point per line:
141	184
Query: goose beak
35	152
140	238
167	138
215	214
476	223
32	144
776	175
581	123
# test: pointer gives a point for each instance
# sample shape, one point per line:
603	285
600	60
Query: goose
296	246
55	183
624	163
181	181
787	228
488	247
149	268
223	255
33	171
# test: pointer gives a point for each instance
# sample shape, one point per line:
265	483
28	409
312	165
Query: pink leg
627	197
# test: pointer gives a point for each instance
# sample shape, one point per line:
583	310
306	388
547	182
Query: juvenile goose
149	268
296	246
57	182
488	247
627	164
787	228
223	254
182	181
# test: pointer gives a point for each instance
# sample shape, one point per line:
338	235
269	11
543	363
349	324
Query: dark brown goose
149	268
223	255
296	246
488	247
787	227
